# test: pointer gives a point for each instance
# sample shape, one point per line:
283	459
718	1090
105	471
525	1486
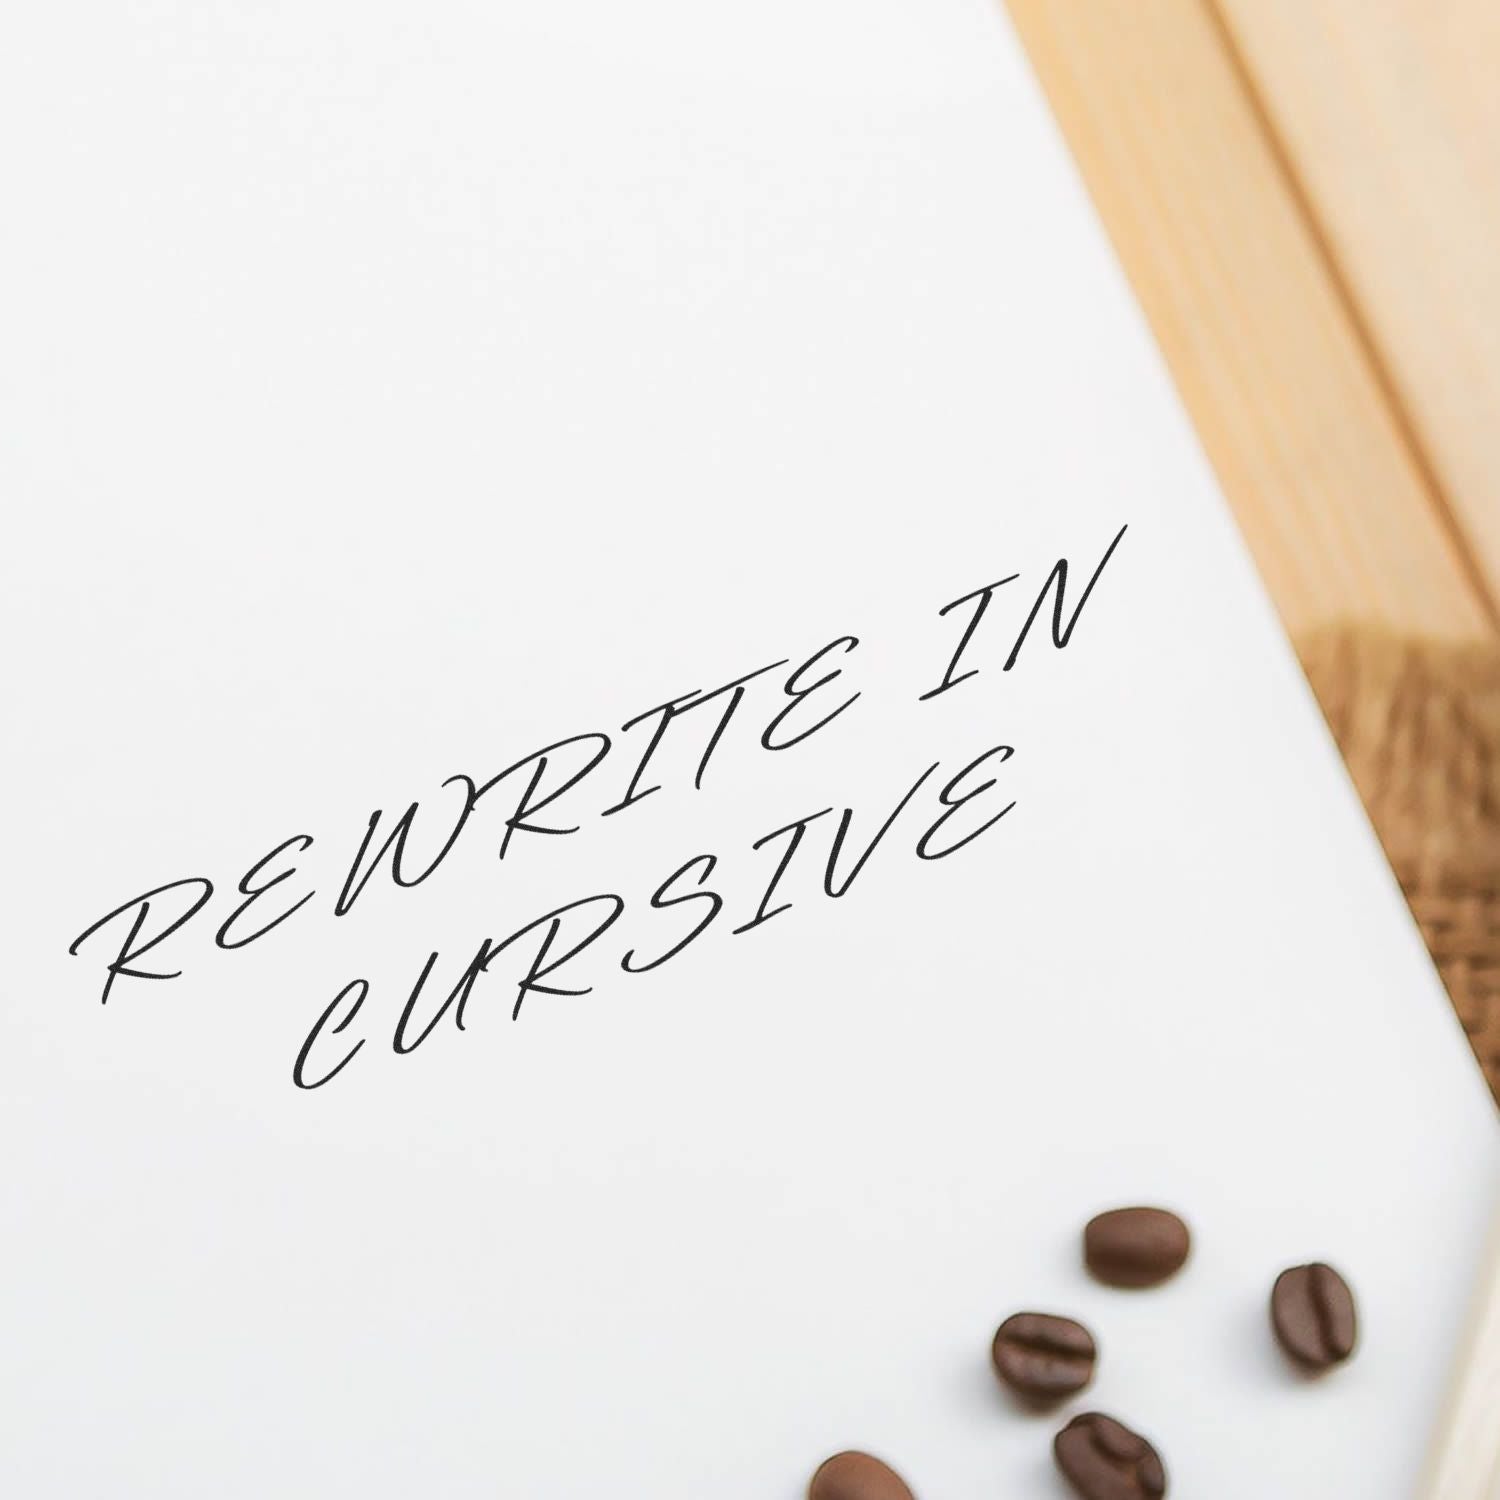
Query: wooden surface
1305	195
1334	477
1388	112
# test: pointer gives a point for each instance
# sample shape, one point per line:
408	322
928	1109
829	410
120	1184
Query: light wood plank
1389	112
1330	495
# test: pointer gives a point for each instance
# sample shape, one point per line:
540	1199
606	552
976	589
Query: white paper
391	391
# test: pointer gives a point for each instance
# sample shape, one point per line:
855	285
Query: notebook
643	765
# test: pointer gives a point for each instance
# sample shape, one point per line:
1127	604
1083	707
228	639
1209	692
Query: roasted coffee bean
1312	1314
1104	1460
856	1476
1135	1246
1042	1357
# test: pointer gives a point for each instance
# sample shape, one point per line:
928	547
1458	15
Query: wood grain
1388	112
1317	459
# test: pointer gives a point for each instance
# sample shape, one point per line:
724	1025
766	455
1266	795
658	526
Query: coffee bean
856	1476
1042	1357
1135	1246
1107	1461
1312	1314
